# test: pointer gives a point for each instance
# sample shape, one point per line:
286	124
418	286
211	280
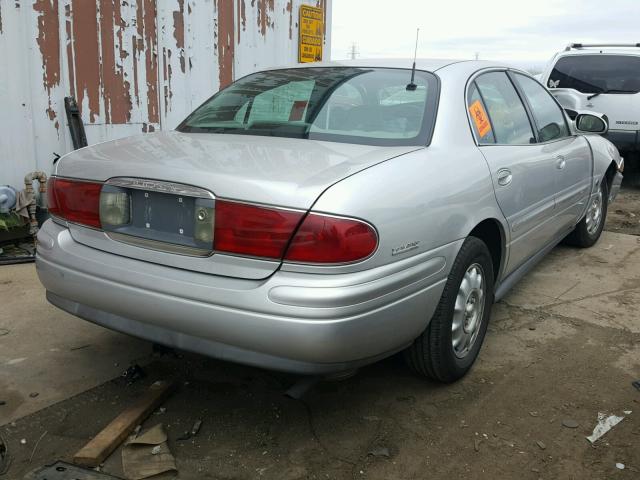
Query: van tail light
328	239
253	230
75	201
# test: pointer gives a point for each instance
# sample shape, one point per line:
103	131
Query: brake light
75	201
253	230
327	239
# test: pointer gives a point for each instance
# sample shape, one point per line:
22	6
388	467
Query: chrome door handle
560	162
504	176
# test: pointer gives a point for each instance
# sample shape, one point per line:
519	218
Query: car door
523	171
572	152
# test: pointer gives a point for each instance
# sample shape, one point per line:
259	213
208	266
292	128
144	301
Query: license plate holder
167	219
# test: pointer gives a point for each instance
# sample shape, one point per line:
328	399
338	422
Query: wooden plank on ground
105	442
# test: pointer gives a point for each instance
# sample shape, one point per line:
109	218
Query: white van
603	78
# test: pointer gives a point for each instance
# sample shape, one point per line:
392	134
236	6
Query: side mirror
588	123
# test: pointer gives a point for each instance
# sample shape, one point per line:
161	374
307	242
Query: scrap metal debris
148	455
66	471
5	460
605	423
35	447
193	432
380	452
133	374
570	423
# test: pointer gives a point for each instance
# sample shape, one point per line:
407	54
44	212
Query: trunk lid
274	171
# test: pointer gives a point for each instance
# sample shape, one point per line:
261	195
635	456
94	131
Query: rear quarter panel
604	153
424	199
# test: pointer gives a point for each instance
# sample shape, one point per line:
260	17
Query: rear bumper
625	140
293	322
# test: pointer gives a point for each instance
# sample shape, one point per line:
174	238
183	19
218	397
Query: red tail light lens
74	200
253	230
326	239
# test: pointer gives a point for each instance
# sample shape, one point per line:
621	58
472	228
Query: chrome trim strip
160	186
159	246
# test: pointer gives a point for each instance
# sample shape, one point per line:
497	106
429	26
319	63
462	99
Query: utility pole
353	51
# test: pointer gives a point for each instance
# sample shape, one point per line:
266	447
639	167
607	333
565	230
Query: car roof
425	64
600	49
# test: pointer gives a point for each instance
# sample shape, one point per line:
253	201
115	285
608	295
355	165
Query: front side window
597	73
508	116
342	104
547	114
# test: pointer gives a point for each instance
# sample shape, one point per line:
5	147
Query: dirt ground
563	346
624	213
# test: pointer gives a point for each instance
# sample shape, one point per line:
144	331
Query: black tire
432	353
582	235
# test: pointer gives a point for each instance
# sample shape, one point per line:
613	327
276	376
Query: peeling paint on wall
49	44
242	18
132	65
225	41
178	32
85	52
289	8
264	17
146	22
114	86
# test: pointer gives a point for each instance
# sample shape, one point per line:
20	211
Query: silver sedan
317	219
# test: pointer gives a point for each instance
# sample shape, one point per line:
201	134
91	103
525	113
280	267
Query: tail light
75	201
328	239
253	230
239	228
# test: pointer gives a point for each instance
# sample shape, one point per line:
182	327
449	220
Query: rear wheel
447	349
588	231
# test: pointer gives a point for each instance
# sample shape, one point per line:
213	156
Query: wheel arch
610	174
491	232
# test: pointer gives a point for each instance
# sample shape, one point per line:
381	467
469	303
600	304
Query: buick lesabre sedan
318	219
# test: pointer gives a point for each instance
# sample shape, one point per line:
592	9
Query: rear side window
548	117
508	116
480	121
597	73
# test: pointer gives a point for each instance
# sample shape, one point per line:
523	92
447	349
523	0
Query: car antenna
411	86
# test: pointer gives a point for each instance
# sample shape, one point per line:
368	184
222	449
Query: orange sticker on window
480	118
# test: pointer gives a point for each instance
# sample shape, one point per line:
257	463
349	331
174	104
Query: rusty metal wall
133	65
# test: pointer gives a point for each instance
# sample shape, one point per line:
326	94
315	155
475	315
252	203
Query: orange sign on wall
480	118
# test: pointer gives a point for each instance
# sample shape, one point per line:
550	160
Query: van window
597	73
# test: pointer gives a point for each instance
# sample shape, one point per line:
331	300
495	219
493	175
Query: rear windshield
597	73
341	104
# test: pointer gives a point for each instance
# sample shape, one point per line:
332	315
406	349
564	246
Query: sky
526	34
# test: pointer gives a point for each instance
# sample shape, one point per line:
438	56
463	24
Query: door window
508	116
547	114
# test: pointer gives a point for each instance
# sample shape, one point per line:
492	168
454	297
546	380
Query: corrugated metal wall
133	65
